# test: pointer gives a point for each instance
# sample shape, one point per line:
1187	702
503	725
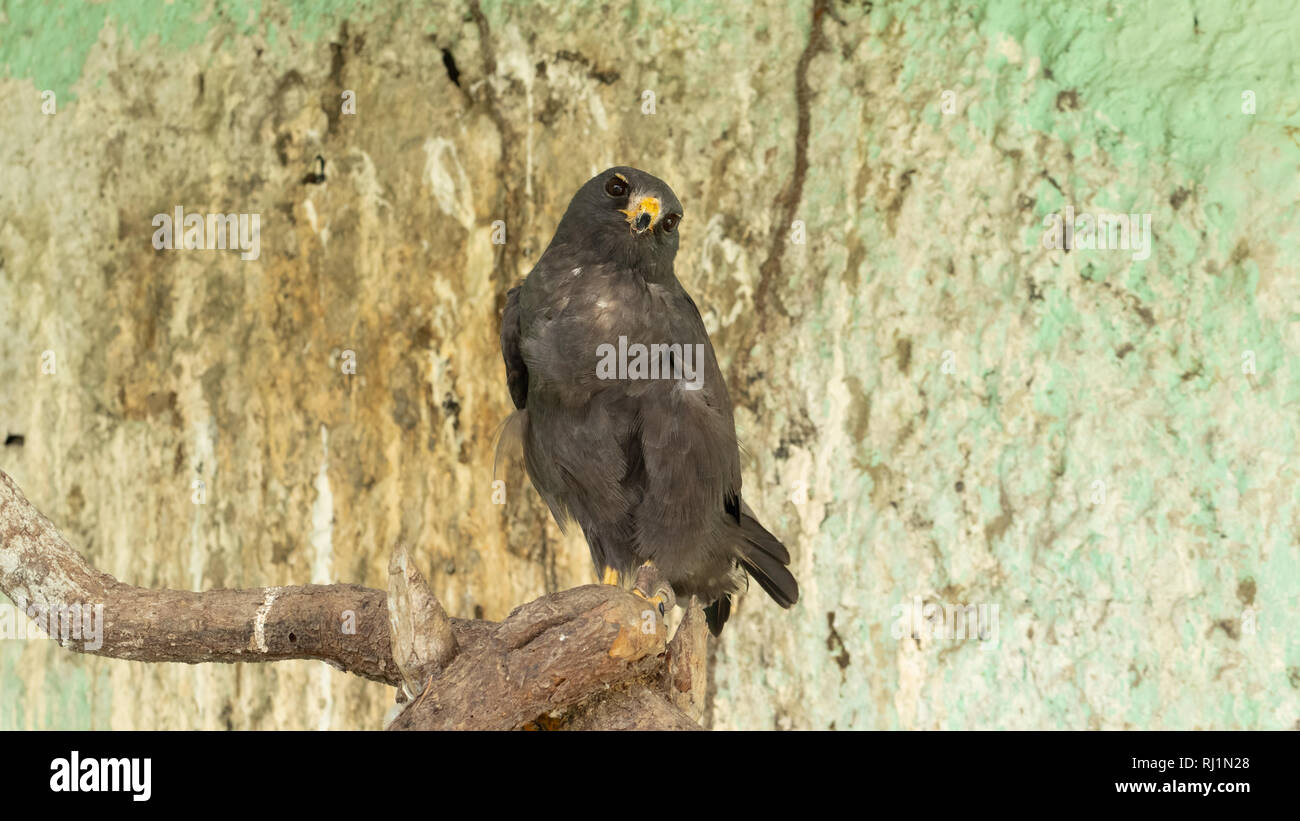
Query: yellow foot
544	722
653	588
611	576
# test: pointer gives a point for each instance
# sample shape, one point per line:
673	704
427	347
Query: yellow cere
647	205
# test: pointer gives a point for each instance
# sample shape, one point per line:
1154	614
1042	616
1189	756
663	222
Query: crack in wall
787	202
507	256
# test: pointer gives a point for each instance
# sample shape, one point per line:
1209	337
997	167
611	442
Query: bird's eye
670	222
616	187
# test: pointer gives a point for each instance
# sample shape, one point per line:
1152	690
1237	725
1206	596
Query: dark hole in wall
449	63
317	176
14	440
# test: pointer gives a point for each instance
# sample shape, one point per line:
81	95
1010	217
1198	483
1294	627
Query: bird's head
627	216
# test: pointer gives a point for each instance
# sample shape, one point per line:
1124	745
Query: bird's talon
664	599
657	599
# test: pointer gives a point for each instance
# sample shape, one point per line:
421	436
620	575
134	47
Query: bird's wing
510	436
573	434
516	369
688	443
692	475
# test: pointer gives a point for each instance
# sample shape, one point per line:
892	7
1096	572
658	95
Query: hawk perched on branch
623	412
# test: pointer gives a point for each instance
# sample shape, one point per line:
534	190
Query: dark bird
625	420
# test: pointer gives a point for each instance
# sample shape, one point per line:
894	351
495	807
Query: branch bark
588	658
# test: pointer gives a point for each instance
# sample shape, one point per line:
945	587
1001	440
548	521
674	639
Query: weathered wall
929	398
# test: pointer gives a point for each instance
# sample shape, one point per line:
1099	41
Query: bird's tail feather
717	613
765	559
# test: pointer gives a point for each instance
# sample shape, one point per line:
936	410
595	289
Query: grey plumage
649	468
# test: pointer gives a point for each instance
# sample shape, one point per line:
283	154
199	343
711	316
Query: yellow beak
643	214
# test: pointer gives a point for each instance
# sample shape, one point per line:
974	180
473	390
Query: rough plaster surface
933	404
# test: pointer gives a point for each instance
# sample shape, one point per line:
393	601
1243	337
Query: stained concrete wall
937	409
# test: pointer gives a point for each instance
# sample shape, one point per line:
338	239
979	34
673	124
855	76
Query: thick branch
344	625
550	654
636	707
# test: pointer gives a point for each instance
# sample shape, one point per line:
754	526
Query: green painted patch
48	43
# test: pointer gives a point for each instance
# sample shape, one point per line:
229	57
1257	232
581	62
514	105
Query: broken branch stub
423	642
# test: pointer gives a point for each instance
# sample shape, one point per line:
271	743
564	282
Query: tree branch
587	658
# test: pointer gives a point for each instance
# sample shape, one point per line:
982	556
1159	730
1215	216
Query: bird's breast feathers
593	329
